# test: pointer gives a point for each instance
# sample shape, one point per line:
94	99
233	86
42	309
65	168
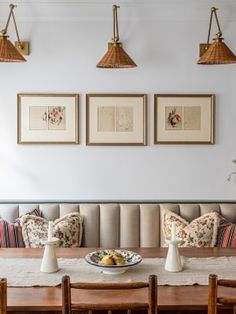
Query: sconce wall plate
203	48
23	47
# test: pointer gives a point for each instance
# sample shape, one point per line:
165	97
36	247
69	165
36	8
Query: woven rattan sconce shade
116	57
8	53
217	52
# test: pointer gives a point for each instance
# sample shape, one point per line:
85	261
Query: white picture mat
68	135
204	134
135	136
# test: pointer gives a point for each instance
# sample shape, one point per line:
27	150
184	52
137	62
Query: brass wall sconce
9	52
217	52
116	57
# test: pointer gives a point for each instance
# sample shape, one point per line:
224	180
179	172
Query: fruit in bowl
114	261
113	258
119	259
107	260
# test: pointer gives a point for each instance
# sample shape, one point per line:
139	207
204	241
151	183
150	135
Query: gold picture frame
184	118
116	119
47	118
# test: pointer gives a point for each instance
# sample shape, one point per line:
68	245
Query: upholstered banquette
120	224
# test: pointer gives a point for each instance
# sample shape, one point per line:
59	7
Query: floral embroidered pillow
68	229
201	232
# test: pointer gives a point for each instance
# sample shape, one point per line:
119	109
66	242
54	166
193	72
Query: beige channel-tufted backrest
120	225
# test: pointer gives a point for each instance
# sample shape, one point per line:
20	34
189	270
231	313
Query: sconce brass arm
219	34
116	37
4	31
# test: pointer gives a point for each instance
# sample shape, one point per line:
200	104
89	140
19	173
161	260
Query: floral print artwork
56	117
47	118
201	232
183	118
174	119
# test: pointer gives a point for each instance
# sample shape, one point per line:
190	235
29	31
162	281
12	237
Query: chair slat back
150	304
3	296
227	283
102	286
213	299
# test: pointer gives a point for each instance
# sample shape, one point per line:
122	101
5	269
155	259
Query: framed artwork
116	119
184	119
47	118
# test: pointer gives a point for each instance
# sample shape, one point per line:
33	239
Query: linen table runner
26	271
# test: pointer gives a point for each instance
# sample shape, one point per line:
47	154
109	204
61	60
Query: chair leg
66	295
3	296
152	294
212	294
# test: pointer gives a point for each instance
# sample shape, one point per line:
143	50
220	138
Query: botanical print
124	119
183	118
38	118
192	118
115	119
173	116
47	117
56	118
106	119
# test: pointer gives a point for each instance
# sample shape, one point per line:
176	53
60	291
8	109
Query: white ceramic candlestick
173	231
50	230
173	261
49	261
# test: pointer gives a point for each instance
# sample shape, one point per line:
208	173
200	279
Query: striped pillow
226	236
11	233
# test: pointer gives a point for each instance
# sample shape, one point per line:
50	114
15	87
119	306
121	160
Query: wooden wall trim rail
112	201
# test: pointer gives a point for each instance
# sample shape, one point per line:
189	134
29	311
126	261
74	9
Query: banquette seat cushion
120	224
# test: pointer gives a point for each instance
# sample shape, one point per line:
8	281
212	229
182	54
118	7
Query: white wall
67	40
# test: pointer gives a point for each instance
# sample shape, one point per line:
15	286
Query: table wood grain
170	298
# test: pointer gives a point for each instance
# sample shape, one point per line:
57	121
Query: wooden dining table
170	298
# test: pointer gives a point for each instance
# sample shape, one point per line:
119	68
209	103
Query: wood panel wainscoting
171	299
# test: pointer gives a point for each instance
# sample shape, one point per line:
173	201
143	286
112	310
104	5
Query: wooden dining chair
151	304
3	296
214	299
